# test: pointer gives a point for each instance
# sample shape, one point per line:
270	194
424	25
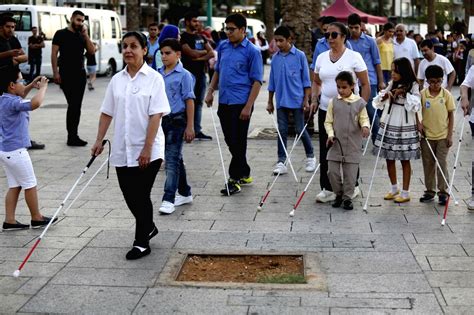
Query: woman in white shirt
136	100
328	65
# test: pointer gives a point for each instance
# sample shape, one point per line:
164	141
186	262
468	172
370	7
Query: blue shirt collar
243	43
177	68
291	51
362	36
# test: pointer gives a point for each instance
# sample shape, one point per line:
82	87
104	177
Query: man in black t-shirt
71	44
35	47
196	53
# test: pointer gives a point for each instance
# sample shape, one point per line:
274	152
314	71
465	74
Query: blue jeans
199	92
298	117
35	64
173	127
371	111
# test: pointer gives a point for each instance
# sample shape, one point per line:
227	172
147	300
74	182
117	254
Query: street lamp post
209	12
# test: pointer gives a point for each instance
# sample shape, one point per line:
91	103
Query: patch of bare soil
243	268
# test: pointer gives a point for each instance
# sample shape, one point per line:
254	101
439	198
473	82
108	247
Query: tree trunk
315	12
133	15
381	8
295	17
269	18
431	15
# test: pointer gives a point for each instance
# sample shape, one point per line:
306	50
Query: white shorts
18	168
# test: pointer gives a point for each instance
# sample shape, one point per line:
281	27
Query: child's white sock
394	189
404	194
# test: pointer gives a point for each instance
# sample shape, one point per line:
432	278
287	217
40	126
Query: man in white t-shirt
432	58
405	47
465	103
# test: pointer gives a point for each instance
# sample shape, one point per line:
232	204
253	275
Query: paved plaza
390	259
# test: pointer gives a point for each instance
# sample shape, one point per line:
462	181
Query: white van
104	29
218	24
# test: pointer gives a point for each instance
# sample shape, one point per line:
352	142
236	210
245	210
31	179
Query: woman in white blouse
136	100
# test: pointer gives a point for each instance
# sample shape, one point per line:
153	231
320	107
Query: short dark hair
6	18
342	28
172	43
283	31
190	15
238	19
345	76
354	19
388	26
142	40
161	26
434	72
329	19
34	27
78	12
427	43
9	75
152	24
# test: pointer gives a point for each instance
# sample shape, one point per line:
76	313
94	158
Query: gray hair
402	26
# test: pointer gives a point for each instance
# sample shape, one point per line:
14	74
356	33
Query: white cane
220	151
283	145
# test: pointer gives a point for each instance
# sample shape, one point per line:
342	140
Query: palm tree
269	17
315	11
431	15
297	17
133	14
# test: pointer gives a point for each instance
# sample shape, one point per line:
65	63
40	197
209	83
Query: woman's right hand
97	148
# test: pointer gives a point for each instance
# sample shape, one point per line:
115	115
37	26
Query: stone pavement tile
100	257
452	263
437	250
437	218
106	277
451	279
345	227
459	296
86	212
444	238
14	240
84	299
119	213
290	240
367	217
40	255
379	242
308	294
105	204
309	216
245	300
55	230
216	240
393	303
184	300
65	255
123	238
381	283
91	232
8	284
31	269
98	222
11	303
469	249
369	262
184	225
460	227
217	215
251	226
282	310
423	262
400	228
62	242
457	310
33	285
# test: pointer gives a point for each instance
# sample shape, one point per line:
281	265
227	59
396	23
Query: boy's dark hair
434	72
426	43
9	75
404	68
152	24
388	26
171	43
6	18
238	19
283	31
190	15
345	76
329	19
161	26
354	19
78	12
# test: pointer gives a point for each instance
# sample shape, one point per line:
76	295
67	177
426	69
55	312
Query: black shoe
338	202
42	223
442	200
233	188
347	204
136	253
153	233
36	146
201	136
76	142
427	198
14	226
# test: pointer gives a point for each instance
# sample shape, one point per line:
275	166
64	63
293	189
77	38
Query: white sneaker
182	200
325	196
470	205
166	207
280	168
356	192
310	164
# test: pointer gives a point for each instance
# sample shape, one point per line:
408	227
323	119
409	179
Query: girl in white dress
401	105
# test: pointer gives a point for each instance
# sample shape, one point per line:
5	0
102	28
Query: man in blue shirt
179	85
238	76
289	80
367	47
152	42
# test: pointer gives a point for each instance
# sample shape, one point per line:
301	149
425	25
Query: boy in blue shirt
238	75
179	124
289	80
14	141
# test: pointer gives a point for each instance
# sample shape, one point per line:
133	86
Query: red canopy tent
341	9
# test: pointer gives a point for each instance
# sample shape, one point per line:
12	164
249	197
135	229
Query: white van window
22	18
45	25
106	28
114	27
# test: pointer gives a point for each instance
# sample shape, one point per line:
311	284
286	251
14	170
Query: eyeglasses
22	81
230	29
435	81
332	34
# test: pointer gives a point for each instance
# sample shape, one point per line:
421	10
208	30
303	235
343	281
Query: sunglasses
230	29
332	34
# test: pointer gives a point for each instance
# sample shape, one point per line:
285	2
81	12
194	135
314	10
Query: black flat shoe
137	253
42	223
427	198
347	205
338	202
153	233
442	200
77	142
14	226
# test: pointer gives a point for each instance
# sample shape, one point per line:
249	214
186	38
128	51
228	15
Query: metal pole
209	12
